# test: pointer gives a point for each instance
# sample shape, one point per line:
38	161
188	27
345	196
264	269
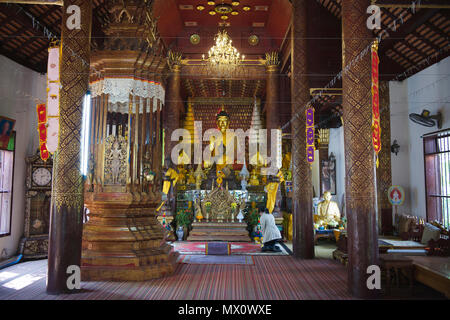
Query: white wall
428	89
19	89
315	174
336	145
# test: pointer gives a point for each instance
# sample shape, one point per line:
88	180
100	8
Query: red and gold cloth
42	130
376	126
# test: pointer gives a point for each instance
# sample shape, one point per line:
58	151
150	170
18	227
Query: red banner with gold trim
42	130
376	126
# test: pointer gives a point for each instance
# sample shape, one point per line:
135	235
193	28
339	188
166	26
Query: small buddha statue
328	212
182	175
190	176
254	181
199	176
244	174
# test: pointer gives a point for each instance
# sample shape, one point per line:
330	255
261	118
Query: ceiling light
211	3
235	3
234	13
224	17
246	8
223	53
200	7
212	12
223	8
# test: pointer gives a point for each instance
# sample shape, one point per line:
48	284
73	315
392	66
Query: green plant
252	216
184	217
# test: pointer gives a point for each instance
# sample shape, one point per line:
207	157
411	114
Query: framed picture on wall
328	175
6	128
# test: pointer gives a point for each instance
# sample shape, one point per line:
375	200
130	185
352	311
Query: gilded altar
220	205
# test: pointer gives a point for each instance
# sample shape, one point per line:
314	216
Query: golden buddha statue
182	175
199	176
286	162
254	180
328	212
191	176
223	123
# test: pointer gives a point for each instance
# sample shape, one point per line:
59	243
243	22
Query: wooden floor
270	278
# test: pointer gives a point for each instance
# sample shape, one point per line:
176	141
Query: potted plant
184	219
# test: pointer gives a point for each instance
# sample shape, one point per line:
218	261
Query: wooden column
173	107
272	95
303	232
384	175
66	217
360	183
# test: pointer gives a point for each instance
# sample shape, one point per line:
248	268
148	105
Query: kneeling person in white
270	232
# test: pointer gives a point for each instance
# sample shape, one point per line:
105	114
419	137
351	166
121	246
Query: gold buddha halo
200	7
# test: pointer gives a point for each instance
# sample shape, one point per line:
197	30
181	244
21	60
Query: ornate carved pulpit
122	239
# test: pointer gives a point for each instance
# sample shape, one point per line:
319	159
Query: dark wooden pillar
360	183
303	232
384	175
272	91
67	193
174	105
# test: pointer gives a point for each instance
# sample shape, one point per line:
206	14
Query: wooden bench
397	263
433	272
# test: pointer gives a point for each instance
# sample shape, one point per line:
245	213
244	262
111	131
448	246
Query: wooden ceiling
24	32
423	34
223	88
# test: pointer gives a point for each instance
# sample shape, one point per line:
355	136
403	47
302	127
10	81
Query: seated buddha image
221	142
328	213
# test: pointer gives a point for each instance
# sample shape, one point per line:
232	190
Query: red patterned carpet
270	278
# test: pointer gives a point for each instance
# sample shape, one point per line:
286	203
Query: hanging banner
310	134
53	96
376	128
42	130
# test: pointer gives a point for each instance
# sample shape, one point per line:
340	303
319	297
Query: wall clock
34	244
42	176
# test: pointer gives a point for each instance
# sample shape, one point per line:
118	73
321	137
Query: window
437	176
6	186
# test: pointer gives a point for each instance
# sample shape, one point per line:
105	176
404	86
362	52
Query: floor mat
237	248
212	259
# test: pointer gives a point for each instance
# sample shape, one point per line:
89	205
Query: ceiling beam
435	4
409	27
24	62
23	16
46	2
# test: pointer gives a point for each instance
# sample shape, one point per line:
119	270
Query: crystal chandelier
223	54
